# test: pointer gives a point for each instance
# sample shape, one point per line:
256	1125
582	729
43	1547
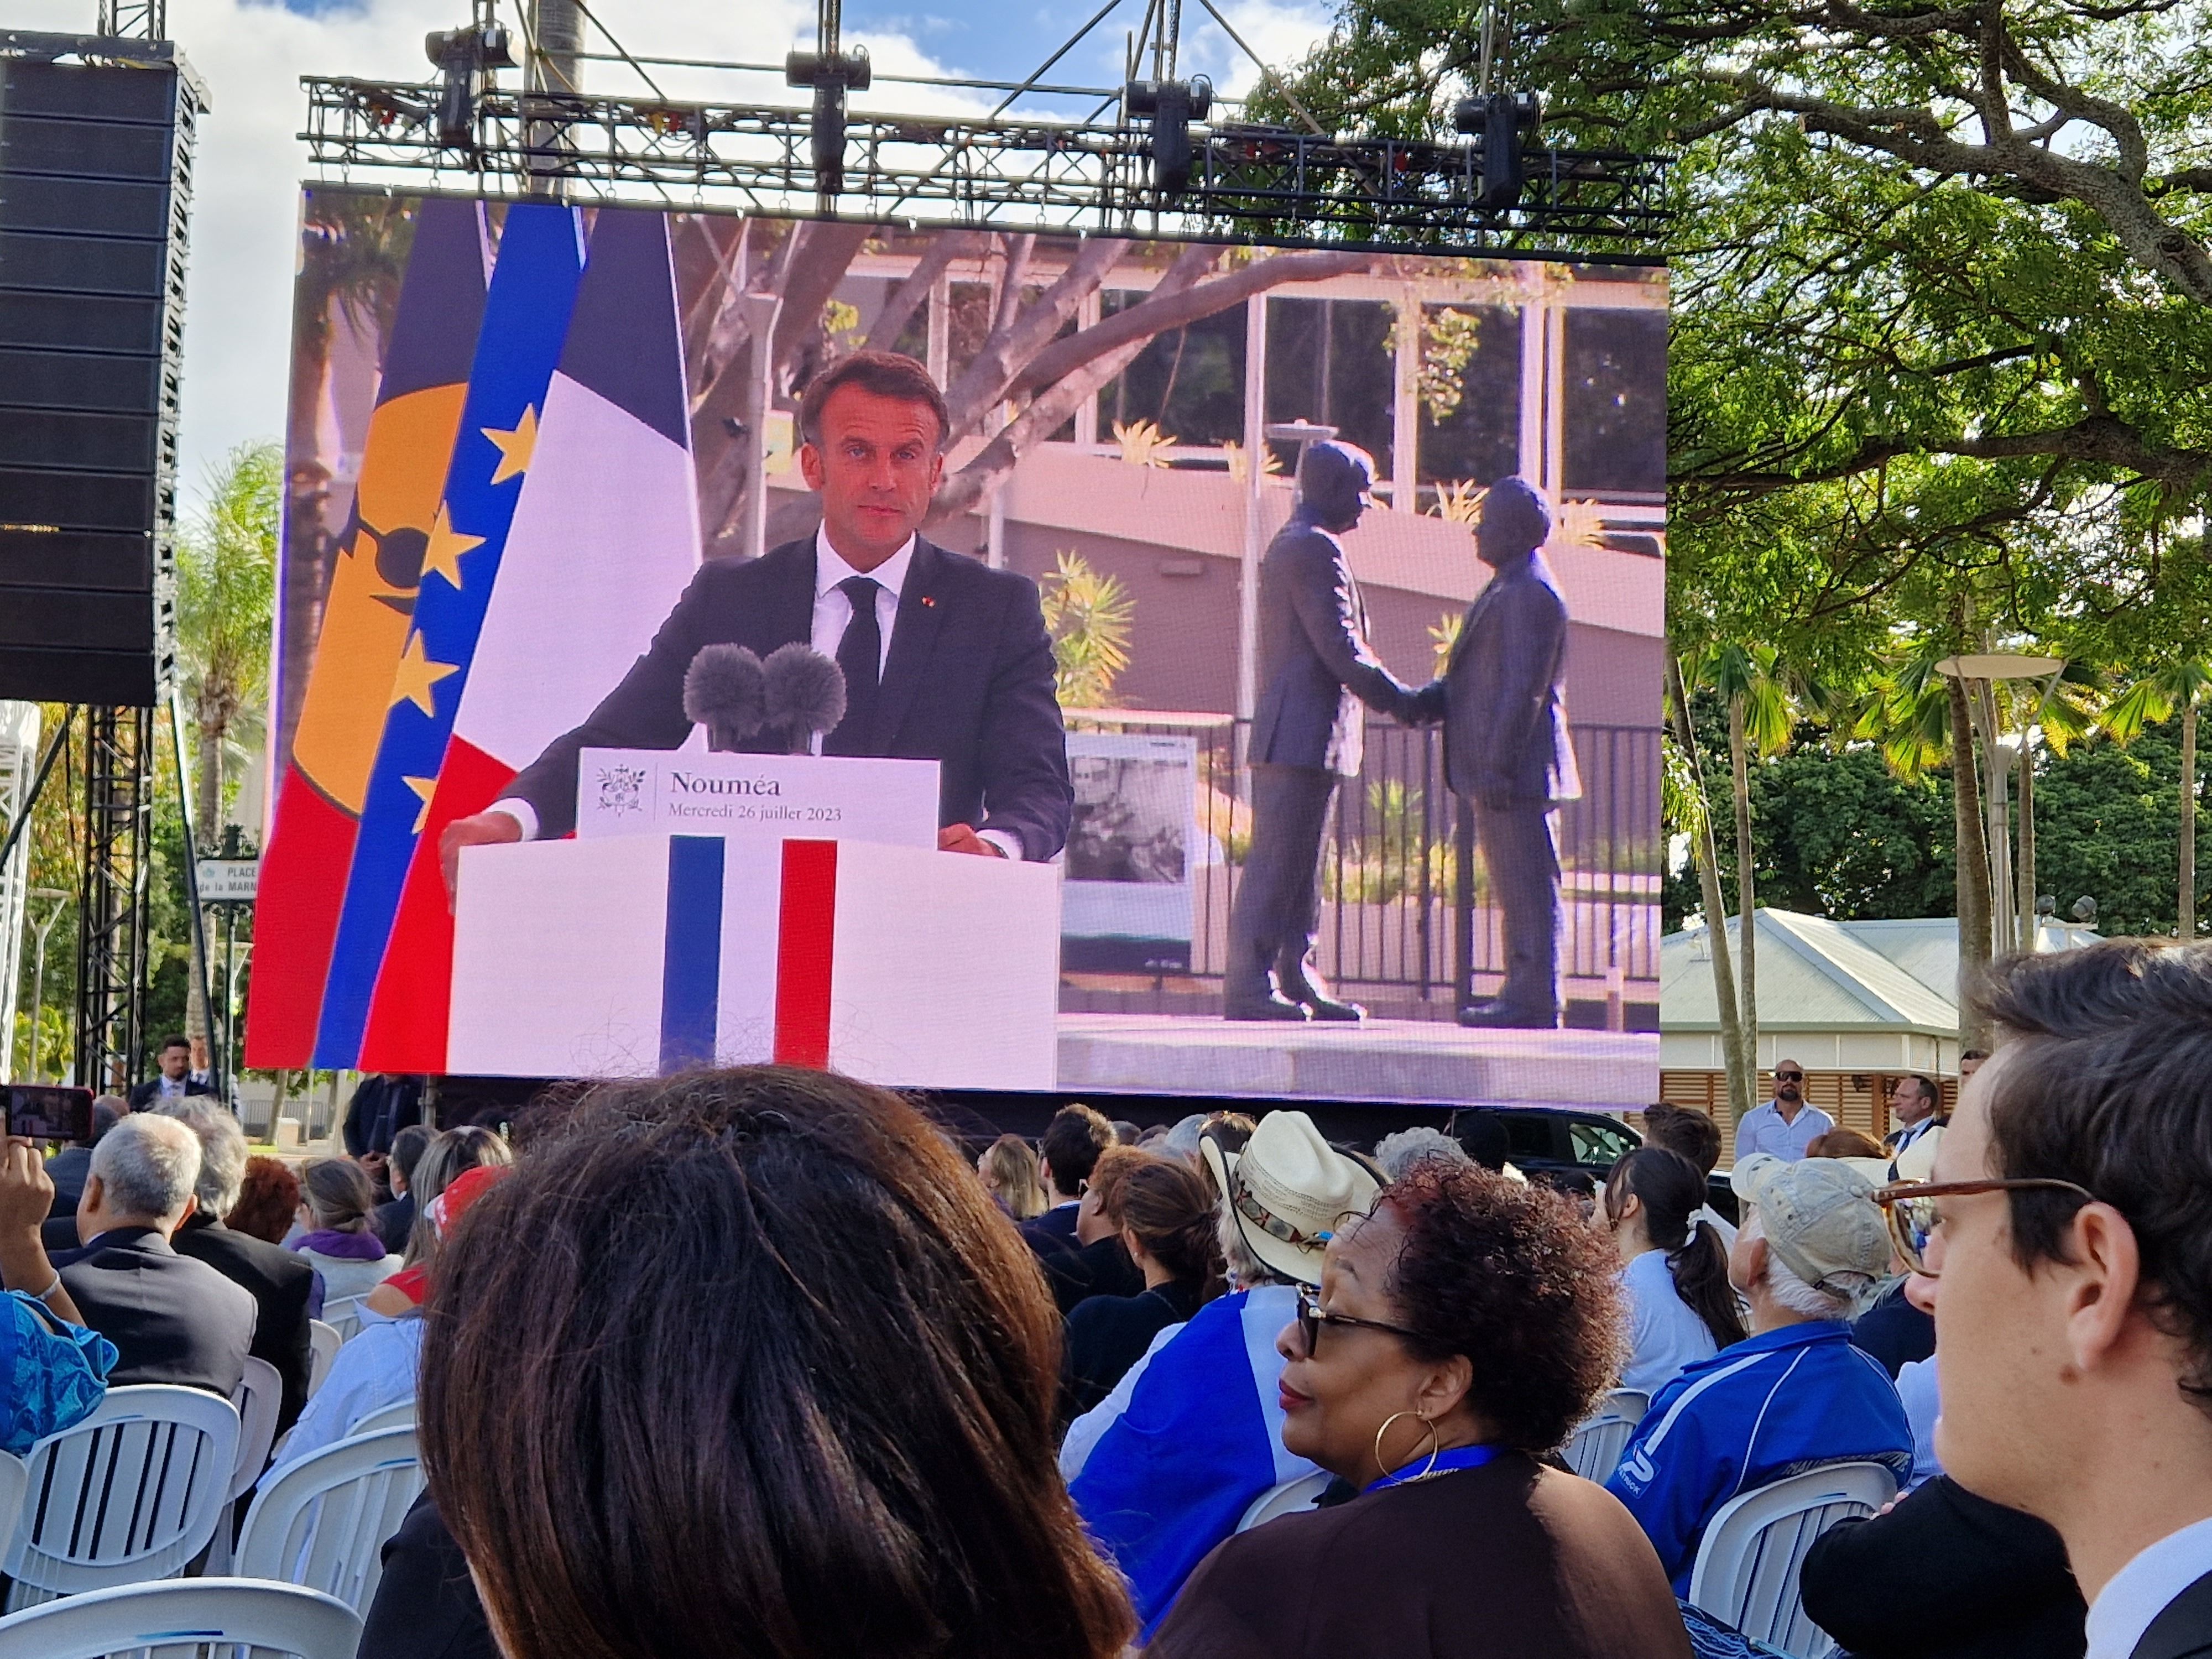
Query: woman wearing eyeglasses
1460	1331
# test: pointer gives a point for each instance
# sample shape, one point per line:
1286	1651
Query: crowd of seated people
921	1423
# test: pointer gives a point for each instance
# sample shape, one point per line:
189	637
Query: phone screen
47	1112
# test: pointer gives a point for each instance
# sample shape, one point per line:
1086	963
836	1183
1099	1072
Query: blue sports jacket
1759	1411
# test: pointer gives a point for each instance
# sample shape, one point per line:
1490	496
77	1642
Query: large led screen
965	659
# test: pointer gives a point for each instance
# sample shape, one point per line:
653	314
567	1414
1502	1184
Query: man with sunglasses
2070	1239
1785	1126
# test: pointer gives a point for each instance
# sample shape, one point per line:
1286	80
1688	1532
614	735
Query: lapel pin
929	600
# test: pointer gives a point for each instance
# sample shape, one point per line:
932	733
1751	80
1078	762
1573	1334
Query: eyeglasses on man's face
1789	1077
1909	1208
1312	1316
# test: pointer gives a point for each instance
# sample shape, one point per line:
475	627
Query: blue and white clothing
1772	1406
1197	1437
1916	1387
56	1373
1664	1333
377	1368
1764	1129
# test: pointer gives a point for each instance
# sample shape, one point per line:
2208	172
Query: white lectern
642	954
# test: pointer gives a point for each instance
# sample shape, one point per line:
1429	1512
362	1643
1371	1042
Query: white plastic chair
14	1477
400	1415
344	1316
184	1618
323	1341
131	1493
1745	1573
1594	1449
1288	1498
323	1522
260	1392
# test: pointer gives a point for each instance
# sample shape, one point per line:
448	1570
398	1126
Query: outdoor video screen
1137	666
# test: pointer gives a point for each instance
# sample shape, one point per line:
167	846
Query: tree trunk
1746	888
1973	864
2187	914
2023	875
1743	1079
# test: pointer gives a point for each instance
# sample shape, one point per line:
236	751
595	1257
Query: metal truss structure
115	887
1248	183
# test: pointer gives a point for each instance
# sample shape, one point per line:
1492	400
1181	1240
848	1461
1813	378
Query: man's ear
2105	1273
810	466
94	1193
191	1208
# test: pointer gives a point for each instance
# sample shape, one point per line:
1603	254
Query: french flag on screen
605	538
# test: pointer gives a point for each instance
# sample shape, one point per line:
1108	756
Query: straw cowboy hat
1288	1190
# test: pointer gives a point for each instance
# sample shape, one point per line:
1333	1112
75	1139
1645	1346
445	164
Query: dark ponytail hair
1672	1189
1166	1205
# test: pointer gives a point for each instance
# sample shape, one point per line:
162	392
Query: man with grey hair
172	1319
1794	1393
1400	1151
278	1280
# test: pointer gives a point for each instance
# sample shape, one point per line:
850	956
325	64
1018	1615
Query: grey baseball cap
1819	1216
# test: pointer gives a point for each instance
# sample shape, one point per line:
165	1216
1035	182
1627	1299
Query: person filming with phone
55	1370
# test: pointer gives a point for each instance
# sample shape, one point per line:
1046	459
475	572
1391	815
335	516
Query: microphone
803	693
723	692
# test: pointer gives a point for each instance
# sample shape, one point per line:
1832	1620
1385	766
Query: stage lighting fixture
832	75
1506	122
1172	107
466	58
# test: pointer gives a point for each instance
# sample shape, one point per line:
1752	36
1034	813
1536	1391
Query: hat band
1260	1216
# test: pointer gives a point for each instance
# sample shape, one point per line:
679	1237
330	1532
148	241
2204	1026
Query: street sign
228	881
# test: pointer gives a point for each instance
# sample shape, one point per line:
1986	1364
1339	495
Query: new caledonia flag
366	618
605	539
525	322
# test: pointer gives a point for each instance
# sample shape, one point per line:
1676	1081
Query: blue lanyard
1458	1457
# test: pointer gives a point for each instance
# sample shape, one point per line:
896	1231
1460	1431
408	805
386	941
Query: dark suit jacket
1315	666
279	1282
68	1169
393	1222
2183	1629
425	1605
1503	695
968	683
148	1093
172	1319
1945	1575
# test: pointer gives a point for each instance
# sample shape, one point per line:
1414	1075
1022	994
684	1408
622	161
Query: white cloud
250	162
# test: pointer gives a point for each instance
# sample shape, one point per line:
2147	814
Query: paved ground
1382	1060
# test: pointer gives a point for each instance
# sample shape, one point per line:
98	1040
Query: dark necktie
861	654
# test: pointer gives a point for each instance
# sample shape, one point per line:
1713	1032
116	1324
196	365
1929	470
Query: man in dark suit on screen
1503	700
1317	668
943	658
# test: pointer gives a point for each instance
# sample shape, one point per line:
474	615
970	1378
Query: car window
1599	1143
1528	1134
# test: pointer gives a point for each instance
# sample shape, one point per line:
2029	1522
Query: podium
642	954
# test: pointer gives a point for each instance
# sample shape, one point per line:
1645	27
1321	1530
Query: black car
1571	1148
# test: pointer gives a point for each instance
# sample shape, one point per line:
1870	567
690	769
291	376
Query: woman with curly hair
1460	1331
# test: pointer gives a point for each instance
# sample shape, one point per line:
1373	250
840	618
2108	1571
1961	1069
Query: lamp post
2012	914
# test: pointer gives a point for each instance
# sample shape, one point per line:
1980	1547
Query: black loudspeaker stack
95	176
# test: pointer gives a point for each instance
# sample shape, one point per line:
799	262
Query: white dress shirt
2140	1591
1764	1129
833	614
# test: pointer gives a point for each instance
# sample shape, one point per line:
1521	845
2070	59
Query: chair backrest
131	1493
325	1341
1745	1573
399	1415
260	1392
14	1477
186	1617
344	1316
322	1523
1595	1447
1288	1498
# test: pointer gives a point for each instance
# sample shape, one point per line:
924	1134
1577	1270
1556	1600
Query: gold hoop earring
1434	1449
